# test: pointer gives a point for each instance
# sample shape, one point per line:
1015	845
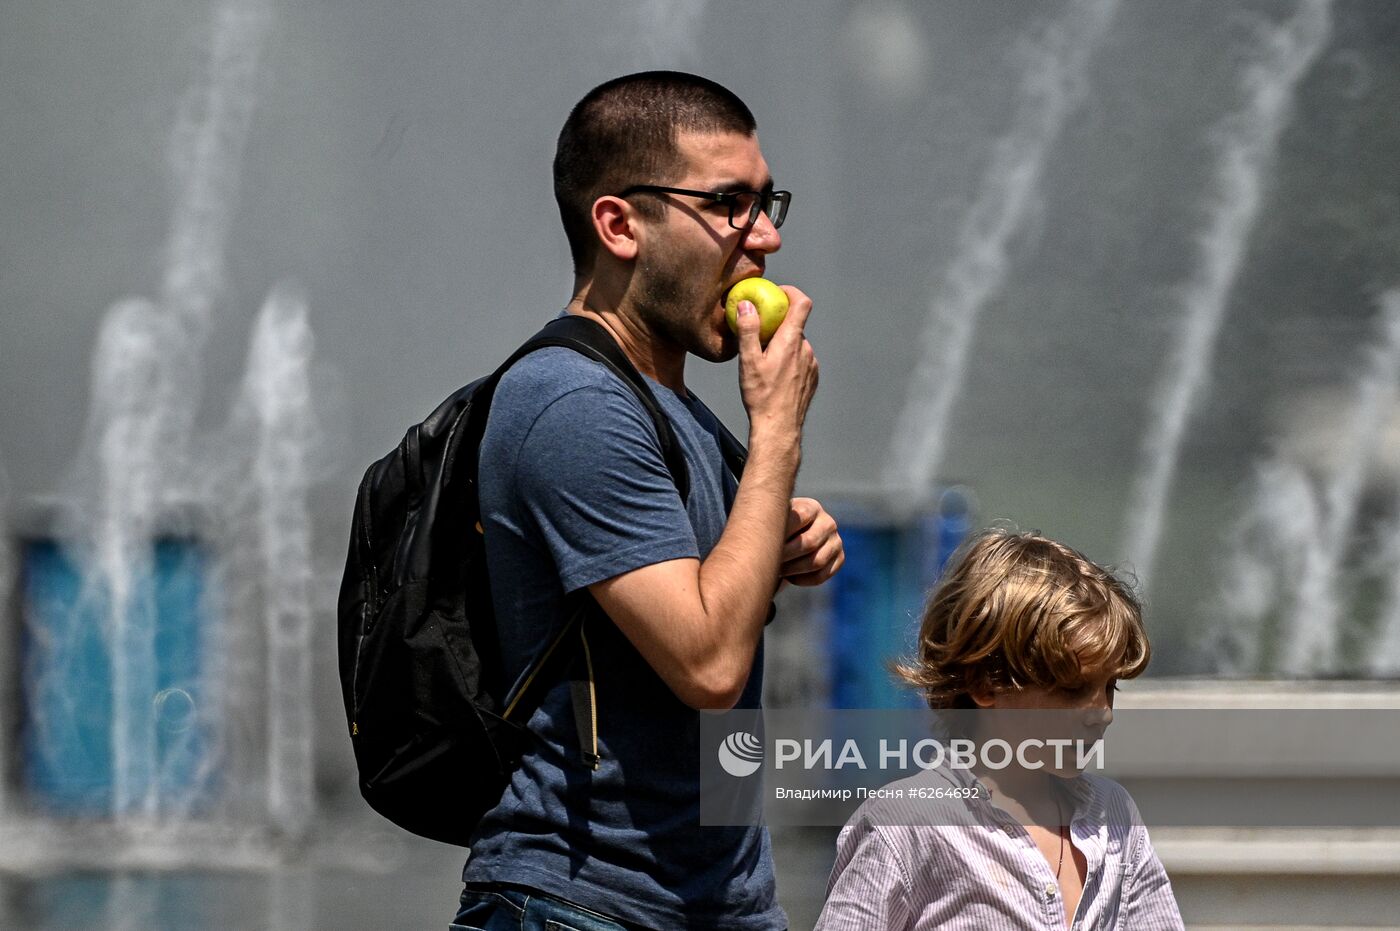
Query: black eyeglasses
744	206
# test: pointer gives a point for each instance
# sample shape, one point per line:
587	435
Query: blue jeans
499	907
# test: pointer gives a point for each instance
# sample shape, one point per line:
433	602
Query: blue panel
182	741
952	524
67	686
877	599
68	759
861	610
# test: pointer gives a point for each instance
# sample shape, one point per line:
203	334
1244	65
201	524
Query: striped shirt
914	865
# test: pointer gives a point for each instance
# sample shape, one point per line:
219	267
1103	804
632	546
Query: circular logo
741	754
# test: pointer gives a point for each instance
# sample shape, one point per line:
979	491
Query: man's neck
651	356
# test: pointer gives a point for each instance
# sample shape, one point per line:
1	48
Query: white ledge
1292	695
1291	851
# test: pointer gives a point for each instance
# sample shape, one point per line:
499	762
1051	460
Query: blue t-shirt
574	490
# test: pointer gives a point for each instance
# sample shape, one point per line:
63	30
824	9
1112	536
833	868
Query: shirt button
1050	889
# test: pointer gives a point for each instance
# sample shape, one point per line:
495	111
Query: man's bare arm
698	623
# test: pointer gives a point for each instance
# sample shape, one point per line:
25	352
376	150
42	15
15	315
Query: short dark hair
624	132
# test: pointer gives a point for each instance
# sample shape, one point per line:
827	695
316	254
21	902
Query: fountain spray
1052	86
1247	145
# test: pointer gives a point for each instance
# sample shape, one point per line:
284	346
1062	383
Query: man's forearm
740	575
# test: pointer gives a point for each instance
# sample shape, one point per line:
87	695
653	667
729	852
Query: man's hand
813	551
777	383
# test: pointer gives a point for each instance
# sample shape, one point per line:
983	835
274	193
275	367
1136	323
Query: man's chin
727	348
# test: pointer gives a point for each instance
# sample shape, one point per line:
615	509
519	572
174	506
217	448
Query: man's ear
614	223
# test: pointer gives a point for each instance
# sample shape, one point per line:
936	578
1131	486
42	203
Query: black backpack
434	732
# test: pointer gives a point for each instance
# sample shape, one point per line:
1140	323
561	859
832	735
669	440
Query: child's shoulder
1105	801
912	822
931	797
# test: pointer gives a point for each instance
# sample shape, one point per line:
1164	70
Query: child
1017	623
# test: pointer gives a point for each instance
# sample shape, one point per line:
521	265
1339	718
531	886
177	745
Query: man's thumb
748	324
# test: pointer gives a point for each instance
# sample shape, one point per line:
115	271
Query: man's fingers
818	536
801	513
808	540
749	326
809	579
805	560
799	309
815	568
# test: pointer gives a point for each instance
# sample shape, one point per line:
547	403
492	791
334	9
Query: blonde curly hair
1015	610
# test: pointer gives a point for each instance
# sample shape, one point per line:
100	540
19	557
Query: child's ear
982	693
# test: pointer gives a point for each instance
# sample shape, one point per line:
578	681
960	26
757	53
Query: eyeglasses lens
776	204
749	204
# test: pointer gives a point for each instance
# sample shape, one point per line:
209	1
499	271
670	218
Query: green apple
769	299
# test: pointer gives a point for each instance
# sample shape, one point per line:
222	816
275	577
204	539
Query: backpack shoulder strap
730	449
735	455
589	338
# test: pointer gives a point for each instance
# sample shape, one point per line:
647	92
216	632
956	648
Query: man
576	495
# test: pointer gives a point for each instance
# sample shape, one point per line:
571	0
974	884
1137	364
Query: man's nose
762	235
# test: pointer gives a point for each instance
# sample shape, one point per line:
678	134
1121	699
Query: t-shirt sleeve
591	476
